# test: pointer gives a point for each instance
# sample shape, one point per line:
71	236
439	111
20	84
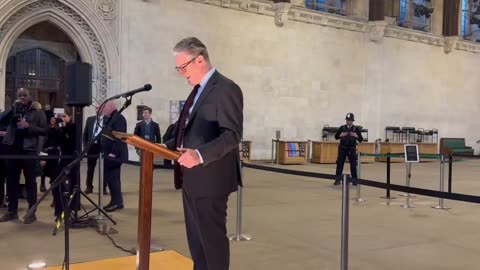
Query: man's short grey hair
192	46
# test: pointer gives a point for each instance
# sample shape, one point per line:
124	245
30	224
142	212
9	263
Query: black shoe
43	188
88	190
3	204
8	216
354	181
114	208
337	182
31	219
107	206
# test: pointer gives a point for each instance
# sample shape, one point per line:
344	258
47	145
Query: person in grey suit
148	129
207	133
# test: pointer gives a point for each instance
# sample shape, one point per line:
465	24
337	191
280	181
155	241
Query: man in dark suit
207	133
148	129
167	136
91	130
115	153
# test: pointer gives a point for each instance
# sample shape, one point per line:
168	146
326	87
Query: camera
19	107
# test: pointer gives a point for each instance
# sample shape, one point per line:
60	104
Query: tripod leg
97	207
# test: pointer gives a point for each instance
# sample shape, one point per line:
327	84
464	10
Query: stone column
359	9
437	17
300	3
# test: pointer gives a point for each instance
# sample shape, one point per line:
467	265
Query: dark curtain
376	9
451	11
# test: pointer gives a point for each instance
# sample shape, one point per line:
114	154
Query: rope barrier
41	157
375	184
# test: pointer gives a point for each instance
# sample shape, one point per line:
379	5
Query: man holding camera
348	135
25	125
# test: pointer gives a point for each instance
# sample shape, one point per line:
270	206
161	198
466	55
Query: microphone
146	87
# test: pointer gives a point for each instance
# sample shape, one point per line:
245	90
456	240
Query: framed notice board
411	153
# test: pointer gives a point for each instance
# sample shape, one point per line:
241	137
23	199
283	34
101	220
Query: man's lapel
208	89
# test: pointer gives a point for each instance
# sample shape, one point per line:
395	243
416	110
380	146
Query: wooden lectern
149	150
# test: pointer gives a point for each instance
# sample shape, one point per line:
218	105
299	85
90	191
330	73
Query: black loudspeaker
78	84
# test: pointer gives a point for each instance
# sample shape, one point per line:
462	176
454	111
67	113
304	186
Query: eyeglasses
182	67
22	95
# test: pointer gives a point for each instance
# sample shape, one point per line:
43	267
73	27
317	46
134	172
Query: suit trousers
205	220
91	164
15	167
112	174
343	153
3	177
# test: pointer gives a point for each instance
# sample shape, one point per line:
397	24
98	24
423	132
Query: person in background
348	135
49	112
91	130
25	126
115	153
3	167
167	136
147	128
65	134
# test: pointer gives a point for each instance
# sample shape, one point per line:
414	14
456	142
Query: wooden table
327	152
292	152
396	148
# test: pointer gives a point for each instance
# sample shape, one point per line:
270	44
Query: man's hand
22	124
353	134
343	134
189	157
111	155
2	133
43	163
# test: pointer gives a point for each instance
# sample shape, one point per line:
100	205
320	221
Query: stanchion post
100	186
389	163
238	236
345	222
450	167
408	175
359	164
309	152
442	184
273	145
277	154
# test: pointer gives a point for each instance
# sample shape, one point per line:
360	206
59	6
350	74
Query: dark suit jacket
116	147
215	128
140	130
88	130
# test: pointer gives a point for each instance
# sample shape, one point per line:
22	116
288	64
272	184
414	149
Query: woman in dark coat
65	136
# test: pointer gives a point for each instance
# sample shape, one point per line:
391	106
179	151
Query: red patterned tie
178	173
185	113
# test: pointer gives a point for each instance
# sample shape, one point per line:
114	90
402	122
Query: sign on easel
411	153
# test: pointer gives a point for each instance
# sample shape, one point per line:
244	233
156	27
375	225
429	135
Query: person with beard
115	153
25	126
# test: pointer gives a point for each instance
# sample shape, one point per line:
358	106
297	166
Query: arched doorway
91	30
41	72
37	61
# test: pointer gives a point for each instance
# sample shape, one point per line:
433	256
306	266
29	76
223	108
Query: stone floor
295	222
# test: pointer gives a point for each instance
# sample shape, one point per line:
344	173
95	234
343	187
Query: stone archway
87	23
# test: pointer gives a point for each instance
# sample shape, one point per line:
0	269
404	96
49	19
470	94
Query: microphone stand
63	178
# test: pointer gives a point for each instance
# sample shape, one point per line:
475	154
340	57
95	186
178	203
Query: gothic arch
80	22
